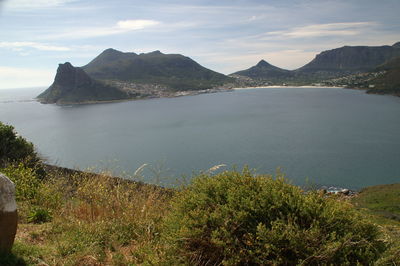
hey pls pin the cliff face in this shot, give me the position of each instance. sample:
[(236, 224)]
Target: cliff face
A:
[(73, 85), (351, 59), (71, 77)]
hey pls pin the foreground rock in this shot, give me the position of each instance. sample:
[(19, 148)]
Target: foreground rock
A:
[(8, 214)]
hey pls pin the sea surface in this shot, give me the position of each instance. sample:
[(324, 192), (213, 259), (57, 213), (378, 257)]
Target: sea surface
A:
[(316, 136)]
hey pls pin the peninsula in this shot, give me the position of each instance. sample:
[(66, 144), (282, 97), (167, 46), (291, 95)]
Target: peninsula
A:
[(115, 75)]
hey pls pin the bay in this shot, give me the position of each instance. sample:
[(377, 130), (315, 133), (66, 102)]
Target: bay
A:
[(325, 136)]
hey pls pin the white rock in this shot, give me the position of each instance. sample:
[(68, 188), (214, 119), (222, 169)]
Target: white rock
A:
[(7, 195)]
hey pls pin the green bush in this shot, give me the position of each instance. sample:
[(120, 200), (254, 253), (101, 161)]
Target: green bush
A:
[(39, 215), (240, 219), (25, 179), (14, 148)]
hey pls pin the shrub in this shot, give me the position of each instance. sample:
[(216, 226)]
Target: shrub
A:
[(240, 219), (14, 148), (39, 215), (25, 180)]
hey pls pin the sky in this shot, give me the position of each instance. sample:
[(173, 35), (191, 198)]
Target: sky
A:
[(223, 35)]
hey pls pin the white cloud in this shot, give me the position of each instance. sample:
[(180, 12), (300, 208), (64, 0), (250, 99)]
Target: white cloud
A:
[(29, 4), (120, 27), (135, 24), (319, 30), (19, 46), (16, 77)]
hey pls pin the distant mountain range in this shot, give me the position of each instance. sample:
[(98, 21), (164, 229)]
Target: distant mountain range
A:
[(328, 64), (115, 75)]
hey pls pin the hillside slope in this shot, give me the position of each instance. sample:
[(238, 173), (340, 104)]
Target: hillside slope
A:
[(389, 81)]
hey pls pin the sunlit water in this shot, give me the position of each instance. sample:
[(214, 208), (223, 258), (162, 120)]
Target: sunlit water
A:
[(329, 136)]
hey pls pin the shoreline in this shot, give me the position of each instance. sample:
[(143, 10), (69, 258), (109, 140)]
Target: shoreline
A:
[(172, 95), (280, 86)]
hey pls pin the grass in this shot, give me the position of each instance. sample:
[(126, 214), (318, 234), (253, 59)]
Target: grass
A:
[(78, 218), (381, 205), (95, 219), (382, 200)]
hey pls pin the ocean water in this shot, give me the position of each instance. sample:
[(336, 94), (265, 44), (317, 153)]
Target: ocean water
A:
[(323, 136)]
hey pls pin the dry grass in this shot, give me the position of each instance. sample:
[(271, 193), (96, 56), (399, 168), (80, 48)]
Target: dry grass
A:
[(96, 220)]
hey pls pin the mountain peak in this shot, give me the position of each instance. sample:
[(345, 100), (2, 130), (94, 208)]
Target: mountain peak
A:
[(263, 63), (66, 65), (111, 51), (74, 85), (156, 52), (67, 74), (264, 70), (396, 45)]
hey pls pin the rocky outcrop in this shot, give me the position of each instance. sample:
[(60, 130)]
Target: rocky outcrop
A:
[(73, 85), (8, 214)]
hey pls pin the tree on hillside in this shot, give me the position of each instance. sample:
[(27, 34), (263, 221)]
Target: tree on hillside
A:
[(14, 148)]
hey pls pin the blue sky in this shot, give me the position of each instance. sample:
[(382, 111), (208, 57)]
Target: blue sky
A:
[(225, 36)]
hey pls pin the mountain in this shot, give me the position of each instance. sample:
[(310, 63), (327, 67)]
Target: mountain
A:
[(73, 85), (350, 59), (264, 70), (173, 71), (115, 75), (396, 45)]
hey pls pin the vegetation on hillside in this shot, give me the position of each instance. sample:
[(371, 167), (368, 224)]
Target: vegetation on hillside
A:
[(381, 205), (389, 81), (241, 219), (14, 148), (69, 217)]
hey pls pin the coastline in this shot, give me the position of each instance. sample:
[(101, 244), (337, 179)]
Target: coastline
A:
[(280, 86), (170, 95), (214, 90)]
